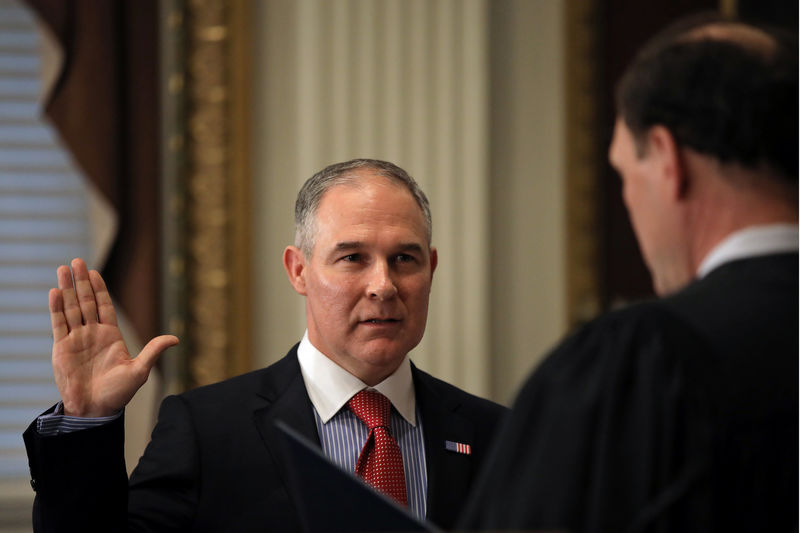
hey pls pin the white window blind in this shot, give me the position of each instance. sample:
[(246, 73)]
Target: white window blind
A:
[(43, 223)]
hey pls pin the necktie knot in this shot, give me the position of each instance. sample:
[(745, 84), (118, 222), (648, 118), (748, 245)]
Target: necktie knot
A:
[(372, 408)]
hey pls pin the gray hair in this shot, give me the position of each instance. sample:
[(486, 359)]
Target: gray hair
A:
[(310, 195)]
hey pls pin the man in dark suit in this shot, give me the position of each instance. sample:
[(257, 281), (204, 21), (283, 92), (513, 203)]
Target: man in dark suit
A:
[(679, 414), (364, 262)]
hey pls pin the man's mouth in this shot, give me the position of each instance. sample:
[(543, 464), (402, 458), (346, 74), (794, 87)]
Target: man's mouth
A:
[(381, 321)]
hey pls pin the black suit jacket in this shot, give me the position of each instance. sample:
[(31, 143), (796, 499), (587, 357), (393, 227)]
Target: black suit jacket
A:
[(679, 414), (215, 461)]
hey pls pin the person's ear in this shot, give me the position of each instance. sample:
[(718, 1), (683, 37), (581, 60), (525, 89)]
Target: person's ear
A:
[(434, 260), (294, 261), (668, 160)]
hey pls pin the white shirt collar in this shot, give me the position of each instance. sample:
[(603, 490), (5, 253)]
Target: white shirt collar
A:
[(751, 242), (330, 386)]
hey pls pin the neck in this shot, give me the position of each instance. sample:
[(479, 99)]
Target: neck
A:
[(728, 199)]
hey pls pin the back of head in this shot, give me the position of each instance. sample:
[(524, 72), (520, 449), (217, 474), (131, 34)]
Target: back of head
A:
[(723, 89)]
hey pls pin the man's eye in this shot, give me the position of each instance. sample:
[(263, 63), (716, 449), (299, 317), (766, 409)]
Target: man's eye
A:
[(405, 258), (351, 258)]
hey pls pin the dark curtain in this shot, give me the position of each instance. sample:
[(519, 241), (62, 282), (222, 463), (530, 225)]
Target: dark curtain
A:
[(105, 107)]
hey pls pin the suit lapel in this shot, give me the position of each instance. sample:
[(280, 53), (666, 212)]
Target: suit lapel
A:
[(284, 397), (449, 473)]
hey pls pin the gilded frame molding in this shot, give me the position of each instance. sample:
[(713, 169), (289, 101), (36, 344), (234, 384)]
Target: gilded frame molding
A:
[(206, 175), (583, 35)]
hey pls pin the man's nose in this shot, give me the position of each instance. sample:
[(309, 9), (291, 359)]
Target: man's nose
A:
[(380, 285)]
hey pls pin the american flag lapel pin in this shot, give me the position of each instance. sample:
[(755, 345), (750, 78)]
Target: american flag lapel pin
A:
[(458, 447)]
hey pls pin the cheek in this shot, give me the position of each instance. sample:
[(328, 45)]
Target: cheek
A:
[(628, 193), (634, 197), (331, 288), (333, 295), (417, 293), (637, 213)]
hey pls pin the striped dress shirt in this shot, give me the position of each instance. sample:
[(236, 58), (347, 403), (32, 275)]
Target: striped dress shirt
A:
[(344, 436), (57, 422)]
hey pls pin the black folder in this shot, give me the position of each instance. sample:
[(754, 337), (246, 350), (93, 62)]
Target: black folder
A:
[(332, 500)]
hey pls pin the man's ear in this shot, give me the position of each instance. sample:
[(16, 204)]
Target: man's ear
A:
[(294, 261), (668, 157), (434, 260)]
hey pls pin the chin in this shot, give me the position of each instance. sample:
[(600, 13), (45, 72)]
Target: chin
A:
[(381, 353)]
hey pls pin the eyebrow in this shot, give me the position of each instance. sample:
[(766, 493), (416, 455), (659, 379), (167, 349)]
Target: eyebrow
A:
[(353, 245)]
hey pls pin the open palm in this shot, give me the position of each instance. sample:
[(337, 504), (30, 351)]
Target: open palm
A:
[(94, 372)]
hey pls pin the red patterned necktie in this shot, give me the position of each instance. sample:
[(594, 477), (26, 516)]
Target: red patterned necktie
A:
[(380, 463)]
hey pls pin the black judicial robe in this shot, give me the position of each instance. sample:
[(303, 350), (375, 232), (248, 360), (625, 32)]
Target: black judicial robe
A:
[(679, 414)]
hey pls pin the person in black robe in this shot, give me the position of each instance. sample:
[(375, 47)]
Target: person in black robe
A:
[(681, 413)]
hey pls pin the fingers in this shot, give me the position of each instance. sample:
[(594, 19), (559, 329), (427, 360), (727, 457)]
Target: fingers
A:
[(84, 292), (57, 319), (81, 298), (71, 310), (105, 308), (77, 296), (153, 349)]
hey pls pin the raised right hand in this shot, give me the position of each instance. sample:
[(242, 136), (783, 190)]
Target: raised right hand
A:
[(94, 372)]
